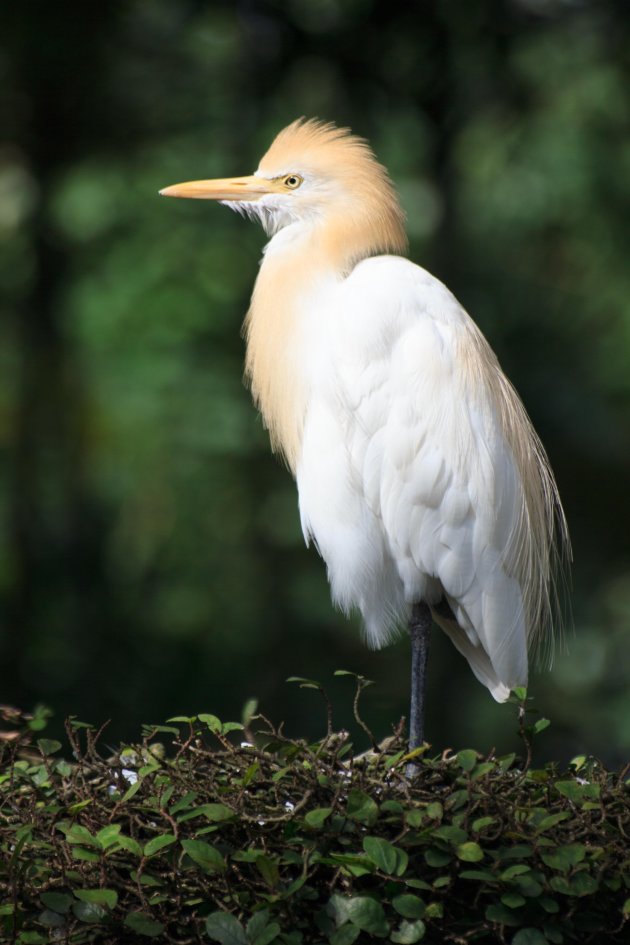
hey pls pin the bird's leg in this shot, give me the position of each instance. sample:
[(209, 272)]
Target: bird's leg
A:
[(419, 631)]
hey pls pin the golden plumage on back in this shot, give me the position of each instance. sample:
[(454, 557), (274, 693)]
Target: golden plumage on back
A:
[(420, 476)]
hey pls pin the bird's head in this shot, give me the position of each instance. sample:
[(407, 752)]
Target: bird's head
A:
[(314, 174)]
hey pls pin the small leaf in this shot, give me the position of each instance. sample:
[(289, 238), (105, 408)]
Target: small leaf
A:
[(388, 858), (346, 935), (143, 924), (101, 897), (564, 858), (467, 759), (89, 856), (454, 835), (361, 807), (215, 812), (513, 900), (128, 843), (570, 789), (436, 858), (529, 937), (58, 902), (213, 723), (268, 869), (158, 843), (257, 923), (48, 746), (408, 933), (469, 852), (268, 934), (225, 928), (184, 803), (89, 912), (108, 835), (368, 915), (75, 833), (204, 855), (434, 810), (316, 818), (497, 912), (409, 906)]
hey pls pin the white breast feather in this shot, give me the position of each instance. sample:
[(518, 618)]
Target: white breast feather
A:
[(406, 480)]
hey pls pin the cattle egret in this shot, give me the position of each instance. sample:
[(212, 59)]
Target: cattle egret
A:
[(421, 480)]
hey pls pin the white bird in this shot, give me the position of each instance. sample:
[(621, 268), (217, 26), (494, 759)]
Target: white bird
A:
[(420, 477)]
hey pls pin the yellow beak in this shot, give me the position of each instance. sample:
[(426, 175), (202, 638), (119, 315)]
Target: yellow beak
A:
[(228, 188)]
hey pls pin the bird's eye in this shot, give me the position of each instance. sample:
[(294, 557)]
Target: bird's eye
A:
[(292, 181)]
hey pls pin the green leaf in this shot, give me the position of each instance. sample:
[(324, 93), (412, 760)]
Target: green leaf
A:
[(436, 858), (204, 855), (128, 843), (48, 746), (454, 835), (143, 924), (529, 937), (184, 803), (626, 907), (132, 791), (469, 852), (89, 912), (408, 933), (481, 823), (89, 856), (346, 935), (257, 924), (213, 723), (108, 836), (225, 928), (58, 902), (52, 920), (388, 858), (268, 869), (434, 810), (158, 843), (564, 858), (32, 938), (368, 915), (75, 833), (361, 807), (513, 900), (551, 821), (497, 912), (316, 818), (268, 934), (101, 897), (570, 789), (409, 906), (215, 812), (467, 759)]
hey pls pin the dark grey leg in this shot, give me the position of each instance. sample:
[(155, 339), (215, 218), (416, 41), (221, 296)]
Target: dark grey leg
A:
[(419, 631)]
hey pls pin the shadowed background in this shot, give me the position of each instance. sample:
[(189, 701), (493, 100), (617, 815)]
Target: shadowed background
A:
[(151, 556)]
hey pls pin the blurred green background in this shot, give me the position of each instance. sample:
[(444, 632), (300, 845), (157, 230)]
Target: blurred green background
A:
[(151, 556)]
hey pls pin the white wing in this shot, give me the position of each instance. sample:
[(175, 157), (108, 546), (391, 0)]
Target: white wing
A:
[(412, 479)]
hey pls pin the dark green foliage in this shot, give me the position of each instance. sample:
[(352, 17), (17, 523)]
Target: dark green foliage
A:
[(287, 842)]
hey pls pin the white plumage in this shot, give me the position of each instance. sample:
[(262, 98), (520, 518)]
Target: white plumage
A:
[(420, 478)]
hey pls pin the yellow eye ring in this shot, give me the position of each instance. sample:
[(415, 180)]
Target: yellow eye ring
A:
[(292, 181)]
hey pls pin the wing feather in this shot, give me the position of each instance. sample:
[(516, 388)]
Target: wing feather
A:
[(456, 481)]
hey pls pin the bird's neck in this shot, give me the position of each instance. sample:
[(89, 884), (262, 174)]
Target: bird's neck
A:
[(299, 267)]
